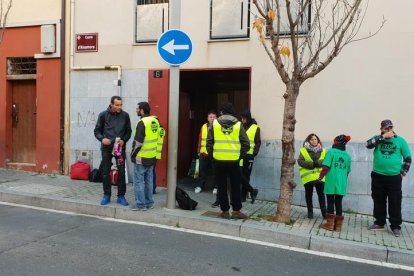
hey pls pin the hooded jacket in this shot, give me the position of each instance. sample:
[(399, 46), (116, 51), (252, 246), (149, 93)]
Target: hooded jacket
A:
[(113, 124), (227, 121)]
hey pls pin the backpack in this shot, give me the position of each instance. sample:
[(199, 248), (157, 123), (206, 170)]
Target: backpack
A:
[(80, 170), (95, 176), (184, 200)]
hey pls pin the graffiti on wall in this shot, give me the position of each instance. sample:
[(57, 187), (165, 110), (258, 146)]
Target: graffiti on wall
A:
[(85, 119)]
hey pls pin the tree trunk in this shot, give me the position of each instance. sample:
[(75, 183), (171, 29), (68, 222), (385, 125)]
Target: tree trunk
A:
[(288, 159)]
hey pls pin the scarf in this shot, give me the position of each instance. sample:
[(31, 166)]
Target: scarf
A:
[(314, 149)]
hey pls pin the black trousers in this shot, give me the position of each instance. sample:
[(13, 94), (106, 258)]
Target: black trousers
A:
[(335, 204), (222, 170), (309, 194), (387, 187), (246, 171), (205, 165), (106, 164)]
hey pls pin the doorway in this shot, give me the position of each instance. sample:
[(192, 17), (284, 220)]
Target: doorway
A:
[(24, 121), (200, 92)]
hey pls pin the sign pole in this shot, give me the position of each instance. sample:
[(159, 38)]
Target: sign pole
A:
[(173, 111)]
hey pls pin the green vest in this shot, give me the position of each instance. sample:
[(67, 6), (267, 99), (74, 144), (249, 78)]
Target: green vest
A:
[(160, 142), (152, 128), (310, 175), (226, 142), (204, 130), (251, 133)]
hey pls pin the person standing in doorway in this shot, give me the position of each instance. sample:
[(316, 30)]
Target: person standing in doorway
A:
[(227, 142), (336, 166), (113, 123), (392, 161), (253, 133), (205, 161), (144, 156), (310, 159)]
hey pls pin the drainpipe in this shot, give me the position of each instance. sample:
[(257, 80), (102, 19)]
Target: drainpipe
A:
[(70, 13)]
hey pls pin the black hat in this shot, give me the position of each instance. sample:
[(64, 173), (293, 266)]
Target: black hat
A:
[(227, 108), (386, 124)]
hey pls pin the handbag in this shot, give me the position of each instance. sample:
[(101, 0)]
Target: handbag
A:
[(80, 170)]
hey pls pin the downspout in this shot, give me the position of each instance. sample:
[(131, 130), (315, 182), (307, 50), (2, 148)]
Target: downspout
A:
[(62, 87)]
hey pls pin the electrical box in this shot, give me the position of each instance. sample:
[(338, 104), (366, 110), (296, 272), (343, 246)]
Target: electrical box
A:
[(48, 40)]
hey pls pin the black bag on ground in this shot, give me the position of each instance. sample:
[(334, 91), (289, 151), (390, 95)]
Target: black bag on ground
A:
[(184, 200), (95, 176)]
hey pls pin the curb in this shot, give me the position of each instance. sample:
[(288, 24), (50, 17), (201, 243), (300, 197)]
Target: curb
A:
[(236, 228)]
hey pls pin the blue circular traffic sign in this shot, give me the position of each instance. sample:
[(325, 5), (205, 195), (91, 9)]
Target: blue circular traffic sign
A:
[(175, 47)]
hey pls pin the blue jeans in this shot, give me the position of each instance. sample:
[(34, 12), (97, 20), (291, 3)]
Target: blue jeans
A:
[(143, 185)]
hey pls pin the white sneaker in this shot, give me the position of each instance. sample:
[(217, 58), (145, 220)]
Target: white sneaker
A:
[(197, 190), (214, 191)]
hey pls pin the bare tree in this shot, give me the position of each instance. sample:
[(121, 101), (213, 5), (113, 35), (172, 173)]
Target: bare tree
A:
[(302, 37), (5, 6)]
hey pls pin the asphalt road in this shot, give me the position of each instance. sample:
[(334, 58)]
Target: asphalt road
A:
[(34, 242)]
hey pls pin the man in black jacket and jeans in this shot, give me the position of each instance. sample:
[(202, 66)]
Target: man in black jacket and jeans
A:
[(113, 123)]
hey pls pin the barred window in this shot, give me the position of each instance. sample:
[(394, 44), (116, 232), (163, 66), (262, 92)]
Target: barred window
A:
[(149, 2)]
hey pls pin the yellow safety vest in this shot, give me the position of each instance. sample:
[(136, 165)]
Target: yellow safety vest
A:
[(313, 174), (204, 131), (251, 133), (226, 142), (152, 128), (160, 142)]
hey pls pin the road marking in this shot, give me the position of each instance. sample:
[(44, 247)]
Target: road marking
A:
[(197, 232)]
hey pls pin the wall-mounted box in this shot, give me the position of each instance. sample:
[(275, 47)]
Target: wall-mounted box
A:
[(48, 39)]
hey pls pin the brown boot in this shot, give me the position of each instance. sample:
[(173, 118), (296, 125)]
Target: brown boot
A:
[(330, 222), (339, 220), (225, 215), (238, 215)]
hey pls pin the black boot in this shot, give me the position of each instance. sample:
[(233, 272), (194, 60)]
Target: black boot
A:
[(253, 195), (310, 214)]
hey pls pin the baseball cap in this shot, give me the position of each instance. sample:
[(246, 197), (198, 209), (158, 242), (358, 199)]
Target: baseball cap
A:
[(386, 124)]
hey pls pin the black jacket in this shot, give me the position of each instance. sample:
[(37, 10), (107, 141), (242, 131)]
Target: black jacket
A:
[(113, 124), (227, 121)]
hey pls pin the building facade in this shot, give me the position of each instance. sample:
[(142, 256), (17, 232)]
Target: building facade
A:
[(31, 87), (368, 82)]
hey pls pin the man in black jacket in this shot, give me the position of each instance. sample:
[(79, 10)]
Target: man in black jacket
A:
[(227, 142), (113, 123)]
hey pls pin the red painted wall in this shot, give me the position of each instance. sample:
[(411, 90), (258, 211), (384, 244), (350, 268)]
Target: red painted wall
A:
[(158, 98), (25, 42)]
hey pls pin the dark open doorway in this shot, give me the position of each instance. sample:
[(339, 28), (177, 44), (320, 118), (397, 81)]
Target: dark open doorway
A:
[(201, 91)]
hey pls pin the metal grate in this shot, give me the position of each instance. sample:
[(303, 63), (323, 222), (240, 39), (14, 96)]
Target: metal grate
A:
[(21, 66), (149, 2)]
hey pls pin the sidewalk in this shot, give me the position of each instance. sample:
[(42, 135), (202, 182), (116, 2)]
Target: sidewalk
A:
[(61, 193)]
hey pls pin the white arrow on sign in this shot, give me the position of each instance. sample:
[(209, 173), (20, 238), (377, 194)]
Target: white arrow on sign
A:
[(170, 47)]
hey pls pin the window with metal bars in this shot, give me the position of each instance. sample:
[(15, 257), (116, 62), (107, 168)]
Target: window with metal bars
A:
[(21, 66), (149, 2)]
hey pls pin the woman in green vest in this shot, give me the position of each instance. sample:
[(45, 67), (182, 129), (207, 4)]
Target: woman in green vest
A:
[(310, 159)]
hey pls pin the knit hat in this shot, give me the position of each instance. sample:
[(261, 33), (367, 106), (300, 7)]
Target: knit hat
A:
[(386, 124), (342, 139), (227, 108)]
